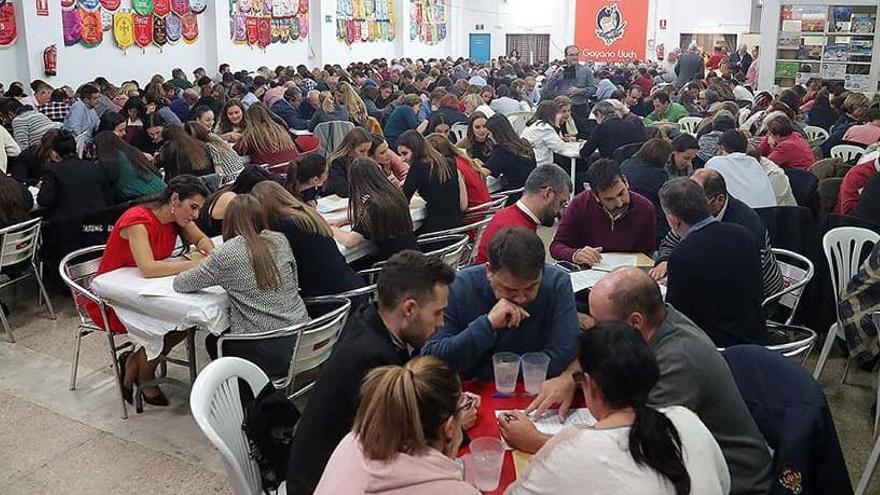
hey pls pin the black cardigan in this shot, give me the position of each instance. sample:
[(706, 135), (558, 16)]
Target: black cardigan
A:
[(74, 187), (612, 134), (511, 168), (444, 210)]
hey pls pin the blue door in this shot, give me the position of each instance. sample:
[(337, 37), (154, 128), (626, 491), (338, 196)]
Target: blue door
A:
[(480, 47)]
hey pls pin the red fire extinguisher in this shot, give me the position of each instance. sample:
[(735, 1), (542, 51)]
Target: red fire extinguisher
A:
[(50, 60), (661, 52)]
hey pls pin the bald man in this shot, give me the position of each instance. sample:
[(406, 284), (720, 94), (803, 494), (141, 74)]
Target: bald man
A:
[(692, 374)]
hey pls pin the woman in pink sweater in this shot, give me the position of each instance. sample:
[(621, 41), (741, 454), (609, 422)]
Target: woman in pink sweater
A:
[(405, 436)]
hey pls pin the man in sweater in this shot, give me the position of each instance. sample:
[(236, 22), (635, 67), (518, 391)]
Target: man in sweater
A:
[(611, 133), (665, 110), (412, 294), (608, 218), (515, 303), (28, 125), (692, 374), (745, 177), (715, 271), (545, 193), (726, 208)]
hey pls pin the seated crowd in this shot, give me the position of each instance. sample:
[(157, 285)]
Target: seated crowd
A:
[(234, 166)]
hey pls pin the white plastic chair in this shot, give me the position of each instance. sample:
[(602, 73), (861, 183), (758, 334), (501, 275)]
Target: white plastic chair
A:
[(216, 406), (459, 131), (689, 125), (744, 114), (815, 134), (843, 247), (847, 152), (18, 247), (330, 134), (518, 120)]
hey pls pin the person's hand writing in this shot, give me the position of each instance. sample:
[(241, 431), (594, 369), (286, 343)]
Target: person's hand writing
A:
[(659, 271), (587, 256), (338, 222), (557, 391), (505, 314), (520, 433)]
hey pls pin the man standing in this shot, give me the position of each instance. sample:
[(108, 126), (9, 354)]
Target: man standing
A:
[(608, 217), (412, 294), (690, 66), (515, 303), (574, 80), (545, 193), (715, 271), (82, 117)]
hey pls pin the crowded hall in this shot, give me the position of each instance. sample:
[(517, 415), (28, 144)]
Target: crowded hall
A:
[(440, 247)]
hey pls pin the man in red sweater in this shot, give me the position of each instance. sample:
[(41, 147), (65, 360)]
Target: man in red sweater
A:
[(784, 147), (545, 193), (854, 181)]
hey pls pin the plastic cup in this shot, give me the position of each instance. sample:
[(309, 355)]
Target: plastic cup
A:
[(506, 368), (534, 368), (487, 456)]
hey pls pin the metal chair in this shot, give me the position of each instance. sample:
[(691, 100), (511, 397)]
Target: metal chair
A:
[(870, 466), (815, 135), (843, 248), (285, 353), (330, 134), (215, 403), (18, 249), (847, 152), (474, 231), (507, 194), (689, 125), (77, 270), (449, 248), (459, 131), (798, 340), (797, 271)]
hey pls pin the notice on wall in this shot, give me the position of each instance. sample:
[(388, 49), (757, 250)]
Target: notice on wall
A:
[(42, 8), (835, 72), (857, 82)]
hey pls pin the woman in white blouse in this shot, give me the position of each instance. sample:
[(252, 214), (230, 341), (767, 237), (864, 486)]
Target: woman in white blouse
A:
[(543, 132), (633, 447)]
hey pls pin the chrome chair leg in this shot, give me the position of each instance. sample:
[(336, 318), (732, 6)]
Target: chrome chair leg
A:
[(6, 327), (116, 374), (39, 276), (75, 364)]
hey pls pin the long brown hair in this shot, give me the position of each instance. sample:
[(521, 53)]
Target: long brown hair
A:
[(375, 202), (423, 152), (109, 146), (352, 140), (443, 146), (244, 217), (262, 134), (402, 408), (12, 207), (204, 135), (225, 124), (185, 149), (278, 204)]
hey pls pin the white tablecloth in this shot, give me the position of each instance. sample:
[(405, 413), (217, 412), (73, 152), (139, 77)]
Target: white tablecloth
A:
[(336, 208), (150, 308)]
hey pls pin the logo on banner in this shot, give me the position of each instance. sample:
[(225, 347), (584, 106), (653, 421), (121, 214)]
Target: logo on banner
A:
[(610, 25)]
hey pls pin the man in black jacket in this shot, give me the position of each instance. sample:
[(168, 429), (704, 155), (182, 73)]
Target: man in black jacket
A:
[(715, 272), (412, 294), (612, 132)]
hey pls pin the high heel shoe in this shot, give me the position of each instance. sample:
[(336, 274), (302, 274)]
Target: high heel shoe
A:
[(127, 392)]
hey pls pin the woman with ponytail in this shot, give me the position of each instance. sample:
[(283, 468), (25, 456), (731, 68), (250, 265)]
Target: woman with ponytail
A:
[(633, 447), (406, 434), (257, 270)]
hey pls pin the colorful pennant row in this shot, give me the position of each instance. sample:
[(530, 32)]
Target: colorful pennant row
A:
[(427, 21), (8, 31), (364, 20), (262, 22), (149, 22)]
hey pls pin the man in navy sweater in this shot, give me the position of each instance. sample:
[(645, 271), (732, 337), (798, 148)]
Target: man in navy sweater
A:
[(514, 303), (715, 272)]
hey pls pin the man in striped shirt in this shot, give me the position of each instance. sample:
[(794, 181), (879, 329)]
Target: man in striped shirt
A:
[(28, 125)]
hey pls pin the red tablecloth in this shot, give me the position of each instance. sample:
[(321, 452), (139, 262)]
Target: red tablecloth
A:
[(487, 427)]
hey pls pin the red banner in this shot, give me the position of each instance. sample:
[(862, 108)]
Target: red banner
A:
[(611, 30)]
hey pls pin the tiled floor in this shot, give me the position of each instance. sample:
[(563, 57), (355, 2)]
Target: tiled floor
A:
[(53, 440)]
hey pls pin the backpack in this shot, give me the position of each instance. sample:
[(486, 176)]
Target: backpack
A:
[(269, 422)]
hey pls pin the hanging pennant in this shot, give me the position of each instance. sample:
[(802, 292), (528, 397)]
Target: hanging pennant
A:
[(257, 7), (244, 6), (161, 8), (68, 4), (303, 26), (280, 8), (267, 8), (341, 28), (265, 32), (190, 30), (160, 34), (293, 27), (253, 30), (143, 30), (365, 30), (71, 25), (198, 6), (303, 6), (89, 5), (239, 31), (106, 20), (123, 29), (173, 28), (8, 29), (275, 30), (180, 7), (111, 5), (92, 30), (142, 8)]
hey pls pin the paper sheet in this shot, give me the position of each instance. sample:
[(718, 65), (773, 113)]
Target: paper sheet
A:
[(610, 261), (549, 424), (329, 204), (585, 279)]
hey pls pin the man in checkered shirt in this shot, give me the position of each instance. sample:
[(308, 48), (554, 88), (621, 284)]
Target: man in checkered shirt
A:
[(57, 107)]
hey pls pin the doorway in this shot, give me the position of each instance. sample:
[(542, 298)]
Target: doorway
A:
[(532, 48)]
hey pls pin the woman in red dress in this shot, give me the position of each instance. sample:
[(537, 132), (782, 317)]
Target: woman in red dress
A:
[(145, 236)]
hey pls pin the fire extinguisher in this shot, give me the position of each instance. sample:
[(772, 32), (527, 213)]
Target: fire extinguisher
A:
[(50, 60), (661, 52)]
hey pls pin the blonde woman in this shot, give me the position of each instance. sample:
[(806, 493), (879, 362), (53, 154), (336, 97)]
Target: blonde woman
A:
[(257, 270), (354, 104), (264, 140), (329, 111), (474, 103)]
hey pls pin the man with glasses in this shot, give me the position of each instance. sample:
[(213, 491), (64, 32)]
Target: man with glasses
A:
[(545, 194), (514, 303), (82, 117), (574, 80)]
